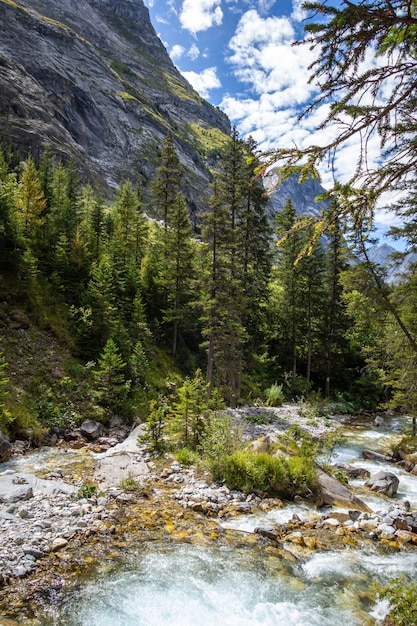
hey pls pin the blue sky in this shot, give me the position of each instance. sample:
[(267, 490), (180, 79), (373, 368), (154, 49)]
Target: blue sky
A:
[(238, 55)]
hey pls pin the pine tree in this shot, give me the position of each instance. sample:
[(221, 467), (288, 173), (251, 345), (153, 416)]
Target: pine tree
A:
[(222, 300), (375, 101), (288, 275), (5, 416), (111, 385), (126, 210), (100, 297), (63, 216), (8, 190), (335, 320), (191, 409), (178, 252), (91, 213), (254, 250), (167, 181), (30, 202)]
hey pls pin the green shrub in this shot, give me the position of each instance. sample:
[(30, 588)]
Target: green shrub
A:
[(263, 473), (129, 483), (185, 456), (274, 395), (87, 490), (340, 475), (222, 436), (402, 596)]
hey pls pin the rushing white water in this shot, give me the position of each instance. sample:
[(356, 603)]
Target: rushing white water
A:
[(189, 586), (248, 523), (378, 440), (220, 585)]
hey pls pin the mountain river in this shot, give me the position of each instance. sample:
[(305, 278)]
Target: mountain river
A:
[(227, 577)]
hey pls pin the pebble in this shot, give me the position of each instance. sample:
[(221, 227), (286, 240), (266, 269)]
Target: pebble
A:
[(32, 527)]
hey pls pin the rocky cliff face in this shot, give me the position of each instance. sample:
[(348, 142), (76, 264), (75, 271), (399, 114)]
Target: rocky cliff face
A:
[(91, 79)]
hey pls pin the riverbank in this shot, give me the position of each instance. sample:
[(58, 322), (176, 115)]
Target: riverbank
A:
[(50, 533)]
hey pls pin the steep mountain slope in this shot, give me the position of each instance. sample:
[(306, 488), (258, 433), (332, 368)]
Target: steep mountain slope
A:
[(303, 197), (91, 79)]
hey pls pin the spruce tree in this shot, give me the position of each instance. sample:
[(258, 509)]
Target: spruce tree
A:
[(126, 210), (5, 416), (167, 180), (8, 190), (110, 382), (335, 319), (30, 203), (178, 274), (222, 299), (289, 277)]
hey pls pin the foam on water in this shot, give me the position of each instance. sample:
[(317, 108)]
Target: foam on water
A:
[(191, 586), (353, 563), (248, 523)]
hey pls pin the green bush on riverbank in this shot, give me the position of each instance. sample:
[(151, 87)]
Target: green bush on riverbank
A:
[(263, 473)]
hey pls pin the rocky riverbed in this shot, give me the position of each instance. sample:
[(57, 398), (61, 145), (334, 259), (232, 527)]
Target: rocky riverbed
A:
[(46, 523)]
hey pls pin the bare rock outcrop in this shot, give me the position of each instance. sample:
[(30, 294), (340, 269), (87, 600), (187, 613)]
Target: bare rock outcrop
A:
[(334, 493)]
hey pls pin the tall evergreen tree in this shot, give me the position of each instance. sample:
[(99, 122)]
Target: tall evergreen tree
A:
[(30, 202), (178, 252), (126, 210), (224, 298), (289, 277), (167, 181), (8, 190), (254, 249), (335, 319), (91, 213), (63, 216)]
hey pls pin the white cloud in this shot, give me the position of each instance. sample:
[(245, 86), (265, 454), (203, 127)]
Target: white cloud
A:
[(204, 81), (263, 58), (197, 15), (264, 6), (193, 52), (177, 51), (276, 77), (298, 14)]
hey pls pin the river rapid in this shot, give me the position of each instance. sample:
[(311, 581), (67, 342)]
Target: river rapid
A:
[(167, 567)]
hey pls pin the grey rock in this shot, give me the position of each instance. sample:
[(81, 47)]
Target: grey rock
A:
[(25, 492), (383, 482), (269, 533), (334, 493), (91, 79), (374, 456), (31, 550), (379, 421), (92, 430), (20, 571), (5, 449)]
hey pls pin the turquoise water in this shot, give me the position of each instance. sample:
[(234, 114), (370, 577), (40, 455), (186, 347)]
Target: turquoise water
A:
[(189, 586), (168, 584)]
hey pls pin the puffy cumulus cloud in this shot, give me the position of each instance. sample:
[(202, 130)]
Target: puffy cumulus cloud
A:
[(193, 52), (204, 81), (176, 52), (262, 57), (197, 15), (298, 14), (276, 75), (264, 6)]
